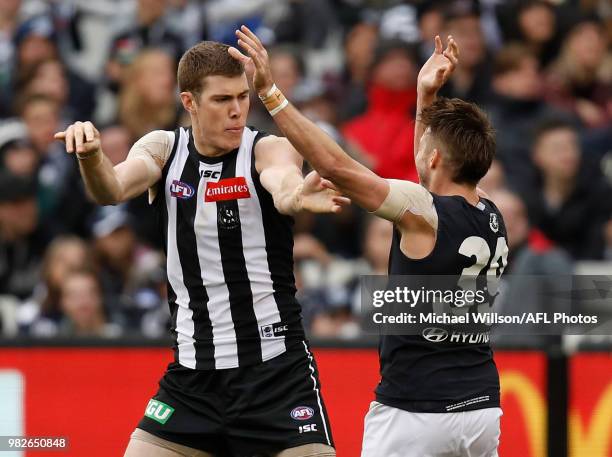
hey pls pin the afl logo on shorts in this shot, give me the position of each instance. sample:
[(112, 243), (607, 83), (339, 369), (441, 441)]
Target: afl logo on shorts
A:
[(434, 334), (182, 190), (302, 413)]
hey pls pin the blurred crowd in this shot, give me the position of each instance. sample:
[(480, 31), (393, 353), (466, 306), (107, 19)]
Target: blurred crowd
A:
[(541, 69)]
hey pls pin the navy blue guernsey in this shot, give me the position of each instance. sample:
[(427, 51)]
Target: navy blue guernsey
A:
[(440, 375)]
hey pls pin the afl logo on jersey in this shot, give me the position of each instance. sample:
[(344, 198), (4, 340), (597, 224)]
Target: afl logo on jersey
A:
[(435, 334), (180, 189), (302, 413), (493, 222)]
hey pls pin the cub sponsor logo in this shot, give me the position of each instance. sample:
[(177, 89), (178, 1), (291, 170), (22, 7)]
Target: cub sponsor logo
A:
[(180, 189), (159, 411), (274, 330), (302, 413), (227, 189)]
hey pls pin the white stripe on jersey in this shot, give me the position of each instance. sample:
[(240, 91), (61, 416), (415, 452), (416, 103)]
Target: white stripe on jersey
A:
[(209, 255), (184, 317), (255, 255)]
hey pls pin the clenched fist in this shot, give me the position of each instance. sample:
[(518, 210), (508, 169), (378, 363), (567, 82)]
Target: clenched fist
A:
[(82, 138)]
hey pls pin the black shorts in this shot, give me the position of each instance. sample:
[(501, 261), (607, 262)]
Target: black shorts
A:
[(242, 412)]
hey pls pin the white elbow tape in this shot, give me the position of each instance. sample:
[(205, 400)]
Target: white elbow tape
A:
[(407, 196)]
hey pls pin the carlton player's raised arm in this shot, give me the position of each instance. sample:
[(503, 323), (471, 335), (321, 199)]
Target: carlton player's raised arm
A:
[(407, 204)]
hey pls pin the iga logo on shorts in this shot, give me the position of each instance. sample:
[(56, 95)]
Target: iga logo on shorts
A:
[(302, 413), (180, 189)]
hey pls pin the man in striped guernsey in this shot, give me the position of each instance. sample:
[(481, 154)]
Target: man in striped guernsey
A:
[(243, 382)]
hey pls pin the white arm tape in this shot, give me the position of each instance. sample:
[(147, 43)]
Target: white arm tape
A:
[(153, 149), (407, 196)]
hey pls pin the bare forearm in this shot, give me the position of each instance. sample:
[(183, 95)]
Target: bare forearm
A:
[(287, 196), (100, 180), (323, 153), (423, 101)]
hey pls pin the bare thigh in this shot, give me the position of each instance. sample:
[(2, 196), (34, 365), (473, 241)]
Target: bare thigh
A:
[(144, 444), (309, 450)]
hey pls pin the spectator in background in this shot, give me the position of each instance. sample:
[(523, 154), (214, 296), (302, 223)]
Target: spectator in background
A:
[(537, 270), (288, 69), (147, 29), (9, 21), (22, 239), (385, 132), (19, 158), (61, 208), (581, 78), (82, 304), (568, 202), (515, 106), (495, 178), (430, 17), (41, 314), (49, 77), (359, 45), (36, 43), (533, 23), (147, 100), (472, 78), (130, 273)]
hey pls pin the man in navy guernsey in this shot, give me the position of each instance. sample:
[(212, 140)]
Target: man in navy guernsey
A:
[(435, 398), (244, 382)]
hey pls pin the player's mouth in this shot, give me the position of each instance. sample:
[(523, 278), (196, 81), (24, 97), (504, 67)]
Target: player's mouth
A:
[(235, 130)]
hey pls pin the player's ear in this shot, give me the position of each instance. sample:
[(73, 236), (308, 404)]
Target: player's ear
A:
[(435, 159), (188, 99)]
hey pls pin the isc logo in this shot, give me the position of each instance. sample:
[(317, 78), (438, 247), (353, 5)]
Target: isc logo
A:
[(180, 189), (308, 428), (302, 413), (210, 174)]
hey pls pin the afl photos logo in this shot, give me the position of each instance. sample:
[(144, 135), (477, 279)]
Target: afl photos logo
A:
[(434, 334)]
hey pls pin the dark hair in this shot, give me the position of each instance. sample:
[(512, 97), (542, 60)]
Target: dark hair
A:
[(207, 58), (510, 58), (550, 124), (468, 135)]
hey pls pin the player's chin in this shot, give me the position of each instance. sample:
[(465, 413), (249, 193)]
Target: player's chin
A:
[(233, 137)]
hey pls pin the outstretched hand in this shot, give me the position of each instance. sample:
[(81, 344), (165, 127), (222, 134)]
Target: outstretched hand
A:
[(439, 67), (319, 195), (80, 137), (256, 63)]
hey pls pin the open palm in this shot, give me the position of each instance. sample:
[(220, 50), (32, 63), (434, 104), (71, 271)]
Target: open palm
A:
[(320, 196), (439, 67)]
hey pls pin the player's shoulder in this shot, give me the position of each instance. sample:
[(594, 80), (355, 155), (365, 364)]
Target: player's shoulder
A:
[(164, 137)]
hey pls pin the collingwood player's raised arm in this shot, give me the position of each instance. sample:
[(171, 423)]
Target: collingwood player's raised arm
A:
[(108, 185)]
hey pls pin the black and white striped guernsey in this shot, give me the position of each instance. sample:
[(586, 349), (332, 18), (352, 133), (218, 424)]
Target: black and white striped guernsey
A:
[(229, 253)]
